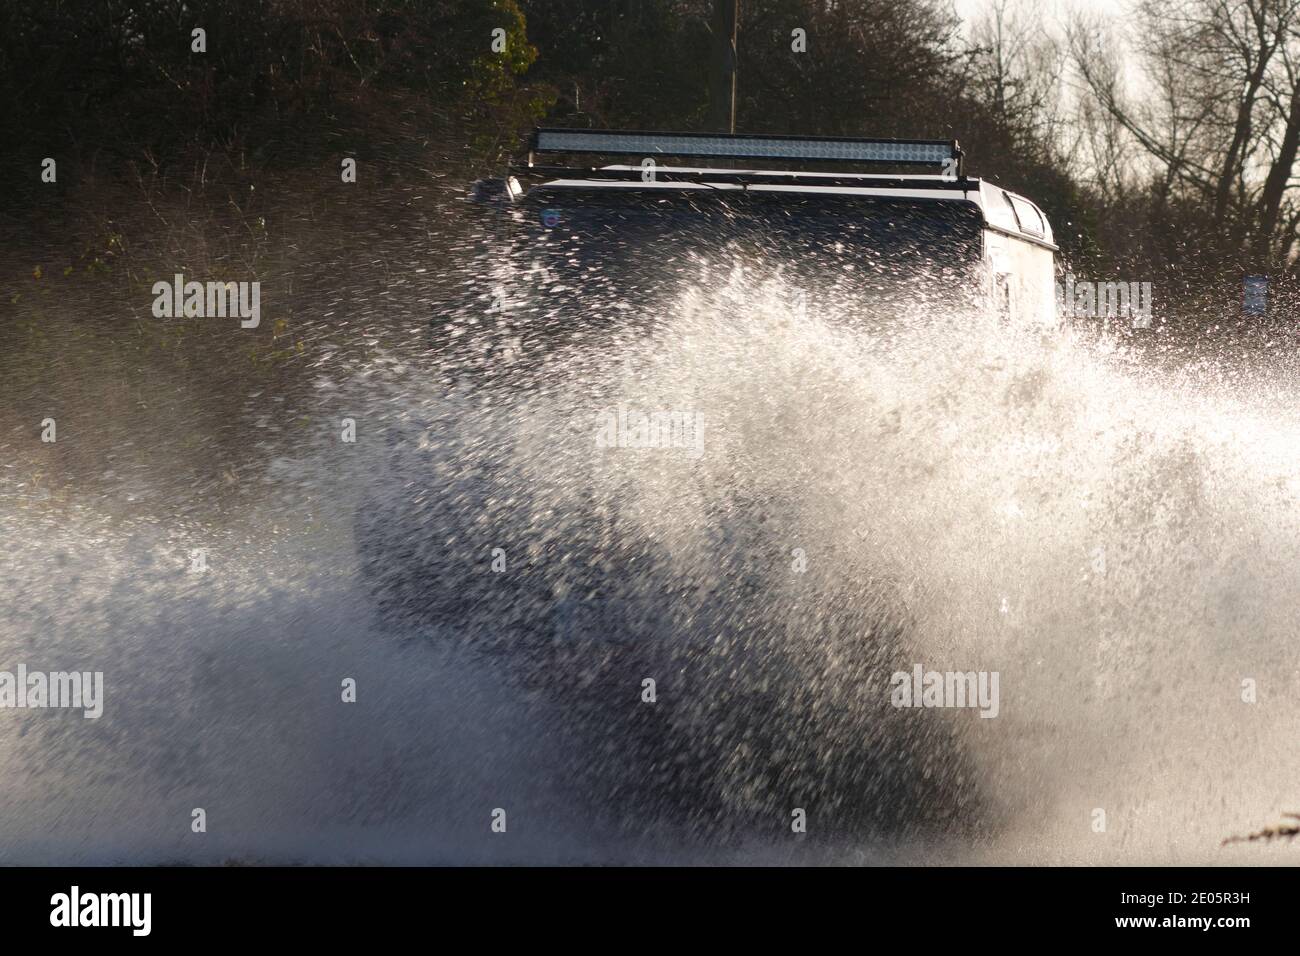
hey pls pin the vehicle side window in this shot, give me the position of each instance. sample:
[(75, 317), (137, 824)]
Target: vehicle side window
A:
[(1006, 201), (1027, 215)]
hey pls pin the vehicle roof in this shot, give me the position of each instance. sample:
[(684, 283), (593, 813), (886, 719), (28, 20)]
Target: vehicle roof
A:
[(1002, 210)]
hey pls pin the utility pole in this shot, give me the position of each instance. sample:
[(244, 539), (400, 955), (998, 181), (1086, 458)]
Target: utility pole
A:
[(722, 69)]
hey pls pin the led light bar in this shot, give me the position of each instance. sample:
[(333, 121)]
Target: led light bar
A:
[(916, 152)]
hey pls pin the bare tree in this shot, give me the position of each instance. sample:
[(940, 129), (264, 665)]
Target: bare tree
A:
[(1017, 69), (1219, 109)]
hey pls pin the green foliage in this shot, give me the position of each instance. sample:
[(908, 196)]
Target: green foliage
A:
[(625, 62), (871, 65), (123, 74)]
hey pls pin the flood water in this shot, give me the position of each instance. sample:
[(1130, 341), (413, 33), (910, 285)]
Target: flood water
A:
[(1116, 536)]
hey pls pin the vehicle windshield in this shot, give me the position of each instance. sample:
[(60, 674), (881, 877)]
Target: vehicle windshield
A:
[(597, 256)]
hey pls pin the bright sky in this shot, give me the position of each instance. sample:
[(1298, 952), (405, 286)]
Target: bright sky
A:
[(1054, 11)]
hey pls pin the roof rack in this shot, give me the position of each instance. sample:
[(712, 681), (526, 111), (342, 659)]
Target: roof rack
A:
[(743, 178), (946, 154)]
